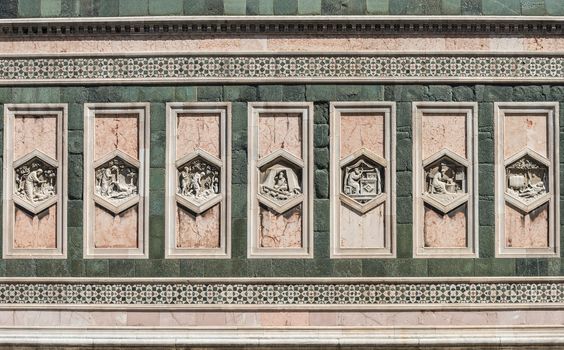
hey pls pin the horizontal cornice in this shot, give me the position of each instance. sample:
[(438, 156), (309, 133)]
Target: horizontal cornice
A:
[(281, 25)]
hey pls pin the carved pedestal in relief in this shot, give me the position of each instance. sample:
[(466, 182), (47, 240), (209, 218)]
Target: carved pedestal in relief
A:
[(116, 170), (362, 179), (198, 180), (444, 179), (280, 193), (35, 172), (526, 173)]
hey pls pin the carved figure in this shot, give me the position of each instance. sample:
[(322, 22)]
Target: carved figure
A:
[(441, 180), (362, 181), (445, 179), (526, 179), (111, 180), (35, 182), (198, 180), (280, 183)]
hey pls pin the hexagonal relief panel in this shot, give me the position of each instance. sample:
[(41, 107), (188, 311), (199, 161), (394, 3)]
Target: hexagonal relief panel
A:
[(199, 182), (117, 176), (35, 182), (363, 180), (445, 183), (527, 181), (280, 184)]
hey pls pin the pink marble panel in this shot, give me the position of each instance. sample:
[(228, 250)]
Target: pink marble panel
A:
[(272, 319), (177, 318), (198, 131), (358, 131), (443, 131), (115, 131), (35, 132), (290, 44), (445, 230), (115, 231), (323, 319), (526, 230), (362, 231), (552, 44), (522, 131), (92, 318), (467, 44), (35, 231), (280, 131), (29, 318), (206, 318), (198, 231), (369, 43), (294, 318), (280, 231), (6, 318), (145, 319)]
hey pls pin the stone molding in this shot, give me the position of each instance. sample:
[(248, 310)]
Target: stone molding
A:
[(422, 196), (331, 337), (504, 110), (283, 67), (39, 28), (388, 195), (10, 199), (223, 110), (92, 199), (299, 165)]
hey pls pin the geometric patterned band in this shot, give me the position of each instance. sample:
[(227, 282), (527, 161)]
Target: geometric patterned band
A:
[(272, 67), (265, 294)]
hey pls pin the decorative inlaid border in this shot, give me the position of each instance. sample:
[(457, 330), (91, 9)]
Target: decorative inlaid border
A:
[(293, 293), (396, 67)]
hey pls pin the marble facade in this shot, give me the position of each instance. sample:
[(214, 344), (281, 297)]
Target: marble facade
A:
[(269, 179)]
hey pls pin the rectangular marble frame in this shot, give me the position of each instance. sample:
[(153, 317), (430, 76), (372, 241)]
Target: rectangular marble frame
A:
[(367, 108), (61, 113), (89, 249), (173, 109), (551, 109), (470, 109), (306, 111)]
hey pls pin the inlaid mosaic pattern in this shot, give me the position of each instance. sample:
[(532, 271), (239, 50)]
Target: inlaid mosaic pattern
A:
[(188, 293), (281, 67)]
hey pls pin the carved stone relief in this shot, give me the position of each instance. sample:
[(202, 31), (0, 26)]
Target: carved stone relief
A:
[(116, 180), (115, 183), (362, 180), (198, 180), (445, 169), (280, 183), (526, 179), (445, 180), (35, 181), (280, 144), (280, 186), (362, 185), (35, 190)]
